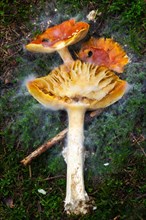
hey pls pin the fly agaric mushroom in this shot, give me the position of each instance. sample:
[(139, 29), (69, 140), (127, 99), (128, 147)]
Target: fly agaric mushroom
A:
[(57, 38), (104, 51), (80, 87)]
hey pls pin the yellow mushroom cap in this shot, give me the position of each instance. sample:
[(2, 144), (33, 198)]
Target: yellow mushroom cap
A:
[(104, 51), (82, 84), (57, 37)]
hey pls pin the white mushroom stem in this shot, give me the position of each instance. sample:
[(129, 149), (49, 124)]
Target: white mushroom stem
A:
[(65, 55), (76, 197)]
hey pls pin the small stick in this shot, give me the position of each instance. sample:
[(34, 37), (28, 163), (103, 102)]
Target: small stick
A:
[(44, 147), (96, 112), (52, 141), (55, 177), (137, 141)]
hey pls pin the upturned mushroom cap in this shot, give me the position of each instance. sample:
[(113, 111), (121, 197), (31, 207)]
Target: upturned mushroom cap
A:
[(104, 51), (59, 36), (83, 85)]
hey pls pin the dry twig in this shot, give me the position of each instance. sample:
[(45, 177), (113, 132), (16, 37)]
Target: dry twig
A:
[(54, 177), (52, 141), (137, 141), (44, 147)]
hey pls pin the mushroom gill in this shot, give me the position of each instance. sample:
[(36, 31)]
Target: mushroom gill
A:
[(83, 83)]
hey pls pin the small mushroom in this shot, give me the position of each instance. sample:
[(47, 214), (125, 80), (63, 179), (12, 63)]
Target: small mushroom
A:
[(80, 87), (58, 38), (104, 51)]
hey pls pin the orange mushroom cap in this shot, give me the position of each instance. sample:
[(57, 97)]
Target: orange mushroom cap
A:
[(59, 36), (104, 51), (81, 85)]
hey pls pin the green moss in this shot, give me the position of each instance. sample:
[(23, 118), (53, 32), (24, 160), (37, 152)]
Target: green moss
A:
[(15, 11)]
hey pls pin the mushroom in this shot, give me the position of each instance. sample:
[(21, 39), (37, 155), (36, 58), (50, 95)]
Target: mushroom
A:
[(104, 51), (76, 89), (58, 37)]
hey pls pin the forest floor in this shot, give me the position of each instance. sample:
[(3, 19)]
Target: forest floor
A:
[(115, 140)]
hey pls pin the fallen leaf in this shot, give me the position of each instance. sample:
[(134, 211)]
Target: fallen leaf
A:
[(9, 202)]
